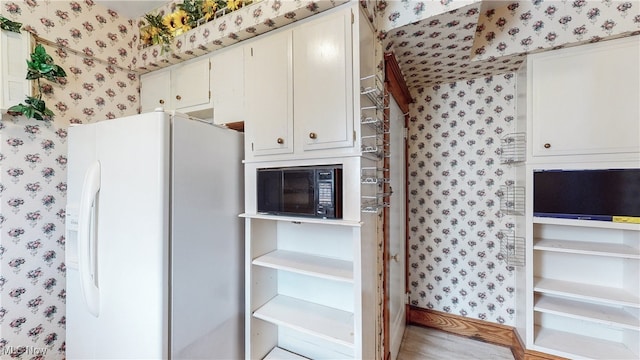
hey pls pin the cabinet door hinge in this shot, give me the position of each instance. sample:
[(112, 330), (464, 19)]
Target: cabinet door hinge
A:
[(405, 133), (209, 64), (354, 135), (251, 146), (407, 300), (209, 94), (251, 51), (353, 18)]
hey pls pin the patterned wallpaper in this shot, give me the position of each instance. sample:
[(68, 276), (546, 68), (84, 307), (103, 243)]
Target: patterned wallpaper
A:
[(397, 13), (91, 44), (454, 218), (439, 49), (526, 26)]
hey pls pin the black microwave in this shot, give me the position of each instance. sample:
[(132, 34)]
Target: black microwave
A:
[(301, 191)]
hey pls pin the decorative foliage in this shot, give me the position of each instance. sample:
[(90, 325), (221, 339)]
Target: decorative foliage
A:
[(40, 66), (161, 29), (6, 24)]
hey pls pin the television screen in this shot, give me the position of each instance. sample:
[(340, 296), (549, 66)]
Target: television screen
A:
[(587, 194)]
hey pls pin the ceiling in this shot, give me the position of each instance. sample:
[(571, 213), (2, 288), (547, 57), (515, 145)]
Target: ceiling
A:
[(439, 49), (131, 9)]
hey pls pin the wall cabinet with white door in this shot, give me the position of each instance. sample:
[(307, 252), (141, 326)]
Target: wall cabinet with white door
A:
[(312, 59), (14, 51), (584, 102), (183, 87), (269, 95)]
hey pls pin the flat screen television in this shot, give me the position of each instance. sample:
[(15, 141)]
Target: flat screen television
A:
[(587, 194)]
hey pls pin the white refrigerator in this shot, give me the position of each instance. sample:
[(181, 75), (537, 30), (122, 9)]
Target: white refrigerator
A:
[(154, 244)]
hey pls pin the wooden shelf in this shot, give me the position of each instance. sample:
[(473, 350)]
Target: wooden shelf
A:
[(303, 220), (603, 294), (586, 223), (587, 248), (609, 316), (322, 267), (580, 346), (282, 354), (324, 322)]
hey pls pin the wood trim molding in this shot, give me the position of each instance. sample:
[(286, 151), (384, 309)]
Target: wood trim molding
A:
[(485, 331), (396, 83)]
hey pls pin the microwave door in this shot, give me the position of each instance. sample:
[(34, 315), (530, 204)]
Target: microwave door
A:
[(270, 191), (298, 192)]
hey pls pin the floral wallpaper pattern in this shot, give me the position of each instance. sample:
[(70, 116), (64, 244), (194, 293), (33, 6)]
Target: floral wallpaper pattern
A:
[(92, 44), (455, 175), (525, 26), (439, 49), (397, 13)]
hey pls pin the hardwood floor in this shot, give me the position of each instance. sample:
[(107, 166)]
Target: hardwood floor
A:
[(421, 343)]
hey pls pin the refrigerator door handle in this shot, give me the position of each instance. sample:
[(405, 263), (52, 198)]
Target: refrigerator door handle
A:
[(87, 250)]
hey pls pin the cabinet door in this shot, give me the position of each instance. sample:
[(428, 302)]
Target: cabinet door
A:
[(227, 85), (14, 51), (155, 90), (323, 82), (585, 99), (190, 84), (268, 90)]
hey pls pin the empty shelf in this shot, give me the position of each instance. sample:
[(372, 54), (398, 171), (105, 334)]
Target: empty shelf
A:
[(322, 321), (322, 267)]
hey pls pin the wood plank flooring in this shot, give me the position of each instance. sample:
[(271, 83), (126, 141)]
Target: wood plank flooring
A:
[(421, 343)]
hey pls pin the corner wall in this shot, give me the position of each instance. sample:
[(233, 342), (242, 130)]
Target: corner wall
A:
[(455, 265)]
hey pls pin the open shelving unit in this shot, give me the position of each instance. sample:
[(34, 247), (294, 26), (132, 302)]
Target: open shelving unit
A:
[(301, 283), (585, 293)]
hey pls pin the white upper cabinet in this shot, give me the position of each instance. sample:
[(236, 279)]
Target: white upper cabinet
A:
[(14, 52), (190, 84), (183, 87), (155, 90), (584, 101), (227, 85), (299, 90), (323, 82), (269, 95)]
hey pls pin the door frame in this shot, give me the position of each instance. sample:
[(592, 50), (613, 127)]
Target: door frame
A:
[(395, 85)]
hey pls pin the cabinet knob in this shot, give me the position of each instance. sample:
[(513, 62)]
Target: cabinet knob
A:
[(178, 97), (280, 141), (395, 258), (313, 135), (161, 101), (547, 145)]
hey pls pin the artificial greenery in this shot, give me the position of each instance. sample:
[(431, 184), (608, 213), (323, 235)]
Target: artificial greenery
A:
[(40, 66), (6, 24), (194, 9), (162, 28), (157, 32)]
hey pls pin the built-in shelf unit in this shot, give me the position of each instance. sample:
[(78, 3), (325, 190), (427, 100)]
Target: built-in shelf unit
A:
[(585, 290)]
